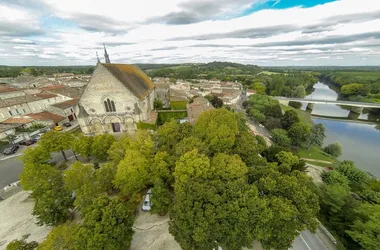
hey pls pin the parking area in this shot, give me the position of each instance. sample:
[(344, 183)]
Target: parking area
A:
[(152, 233)]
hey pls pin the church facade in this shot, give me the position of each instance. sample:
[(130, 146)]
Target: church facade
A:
[(116, 98)]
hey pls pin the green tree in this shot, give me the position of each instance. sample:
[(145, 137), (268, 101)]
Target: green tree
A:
[(296, 105), (257, 115), (52, 200), (218, 129), (100, 146), (107, 225), (298, 133), (292, 205), (215, 101), (290, 117), (35, 155), (351, 89), (316, 136), (158, 104), (210, 197), (280, 137), (160, 197), (354, 175), (334, 178), (117, 150), (190, 143), (61, 237), (334, 149), (22, 244), (54, 141), (104, 177), (300, 92), (273, 111), (247, 147), (171, 133), (132, 173), (366, 229), (82, 145), (286, 161), (260, 88)]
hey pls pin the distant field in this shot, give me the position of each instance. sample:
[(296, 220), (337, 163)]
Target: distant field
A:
[(269, 73)]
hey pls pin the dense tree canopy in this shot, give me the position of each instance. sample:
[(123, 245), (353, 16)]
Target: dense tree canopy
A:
[(217, 128), (54, 141)]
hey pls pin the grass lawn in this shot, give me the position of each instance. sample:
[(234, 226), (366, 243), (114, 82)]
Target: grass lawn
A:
[(314, 153), (304, 116)]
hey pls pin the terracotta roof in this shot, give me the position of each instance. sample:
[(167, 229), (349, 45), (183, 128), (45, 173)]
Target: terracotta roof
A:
[(194, 109), (17, 120), (66, 104), (45, 116), (132, 78), (45, 95), (5, 89)]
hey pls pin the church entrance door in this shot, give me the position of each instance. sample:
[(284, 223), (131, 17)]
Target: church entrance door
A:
[(116, 127)]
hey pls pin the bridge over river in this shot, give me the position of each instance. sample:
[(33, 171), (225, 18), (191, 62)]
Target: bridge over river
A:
[(356, 107)]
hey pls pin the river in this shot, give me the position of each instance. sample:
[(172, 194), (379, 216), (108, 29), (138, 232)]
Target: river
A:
[(360, 141)]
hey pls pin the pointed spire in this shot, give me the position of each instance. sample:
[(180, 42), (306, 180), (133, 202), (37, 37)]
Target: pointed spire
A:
[(97, 57), (106, 56)]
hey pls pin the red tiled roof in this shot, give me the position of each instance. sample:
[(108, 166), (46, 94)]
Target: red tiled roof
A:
[(46, 116), (45, 95), (5, 89), (66, 104), (17, 120)]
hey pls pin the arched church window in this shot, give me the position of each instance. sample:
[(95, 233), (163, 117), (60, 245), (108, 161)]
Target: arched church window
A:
[(109, 105)]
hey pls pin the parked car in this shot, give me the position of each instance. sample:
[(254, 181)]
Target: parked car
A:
[(57, 128), (147, 204), (27, 142), (37, 137), (67, 124), (261, 125), (11, 150)]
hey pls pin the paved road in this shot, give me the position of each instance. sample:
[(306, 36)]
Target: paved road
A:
[(11, 168), (308, 241)]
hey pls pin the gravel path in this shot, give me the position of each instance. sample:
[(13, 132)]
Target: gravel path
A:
[(16, 220)]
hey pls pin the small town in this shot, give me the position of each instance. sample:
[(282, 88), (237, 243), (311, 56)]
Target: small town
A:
[(213, 125)]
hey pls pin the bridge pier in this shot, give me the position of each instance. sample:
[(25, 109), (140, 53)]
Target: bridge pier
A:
[(310, 106), (357, 110), (353, 115)]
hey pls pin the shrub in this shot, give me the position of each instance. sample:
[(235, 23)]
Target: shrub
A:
[(296, 105)]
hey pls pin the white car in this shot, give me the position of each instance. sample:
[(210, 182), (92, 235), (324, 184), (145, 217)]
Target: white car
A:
[(147, 203), (261, 125)]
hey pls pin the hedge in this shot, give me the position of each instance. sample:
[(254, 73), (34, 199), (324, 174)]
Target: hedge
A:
[(178, 105), (166, 116), (144, 125)]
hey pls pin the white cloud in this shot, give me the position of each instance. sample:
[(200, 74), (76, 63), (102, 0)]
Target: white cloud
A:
[(138, 32)]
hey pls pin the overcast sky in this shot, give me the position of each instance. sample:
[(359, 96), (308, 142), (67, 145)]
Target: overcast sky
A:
[(261, 32)]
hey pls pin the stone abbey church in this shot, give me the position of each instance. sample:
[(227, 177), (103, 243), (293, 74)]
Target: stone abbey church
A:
[(116, 98)]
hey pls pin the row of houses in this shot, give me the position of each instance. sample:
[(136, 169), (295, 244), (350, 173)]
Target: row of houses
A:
[(47, 106)]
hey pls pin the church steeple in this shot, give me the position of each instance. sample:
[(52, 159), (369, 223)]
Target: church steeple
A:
[(97, 57), (106, 56)]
